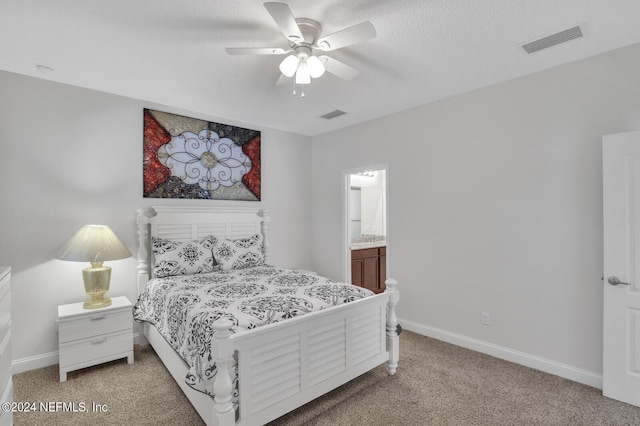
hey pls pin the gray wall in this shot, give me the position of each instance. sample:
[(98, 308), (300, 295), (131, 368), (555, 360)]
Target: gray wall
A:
[(495, 206), (72, 156)]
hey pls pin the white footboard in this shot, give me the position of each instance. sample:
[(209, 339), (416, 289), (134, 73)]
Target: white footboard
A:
[(285, 365)]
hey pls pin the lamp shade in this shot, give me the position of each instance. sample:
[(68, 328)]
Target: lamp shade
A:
[(93, 243)]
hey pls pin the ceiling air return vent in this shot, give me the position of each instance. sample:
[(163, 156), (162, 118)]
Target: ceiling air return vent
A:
[(552, 40), (333, 114)]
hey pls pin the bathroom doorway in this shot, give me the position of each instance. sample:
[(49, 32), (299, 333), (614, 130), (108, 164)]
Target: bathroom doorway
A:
[(366, 226)]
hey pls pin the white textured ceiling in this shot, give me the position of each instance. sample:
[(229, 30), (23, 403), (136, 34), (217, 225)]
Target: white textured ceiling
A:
[(171, 52)]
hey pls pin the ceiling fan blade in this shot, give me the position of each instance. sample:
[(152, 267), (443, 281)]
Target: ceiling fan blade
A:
[(352, 35), (338, 68), (282, 80), (281, 13), (256, 51)]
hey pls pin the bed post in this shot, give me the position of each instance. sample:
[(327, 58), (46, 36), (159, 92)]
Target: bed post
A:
[(143, 251), (393, 342), (222, 351), (266, 219)]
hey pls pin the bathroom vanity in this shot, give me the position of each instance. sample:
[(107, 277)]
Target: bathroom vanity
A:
[(369, 265)]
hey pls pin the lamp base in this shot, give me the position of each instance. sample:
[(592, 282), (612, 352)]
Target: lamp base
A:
[(97, 301), (96, 284)]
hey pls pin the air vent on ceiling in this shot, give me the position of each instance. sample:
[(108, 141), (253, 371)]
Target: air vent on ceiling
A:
[(552, 40), (333, 114)]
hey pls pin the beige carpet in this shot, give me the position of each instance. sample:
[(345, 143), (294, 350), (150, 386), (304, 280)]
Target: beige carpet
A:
[(139, 394), (436, 384)]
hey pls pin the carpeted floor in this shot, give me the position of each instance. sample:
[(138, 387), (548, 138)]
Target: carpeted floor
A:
[(142, 393), (436, 384)]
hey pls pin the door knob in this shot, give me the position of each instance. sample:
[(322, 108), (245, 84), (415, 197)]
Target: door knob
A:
[(616, 281)]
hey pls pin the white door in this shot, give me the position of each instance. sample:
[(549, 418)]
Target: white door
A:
[(621, 327)]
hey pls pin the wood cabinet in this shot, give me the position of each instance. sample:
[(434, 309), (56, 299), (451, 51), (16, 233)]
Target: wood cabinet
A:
[(92, 336), (369, 268), (6, 384)]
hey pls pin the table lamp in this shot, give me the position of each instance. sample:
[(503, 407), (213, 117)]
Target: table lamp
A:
[(94, 244)]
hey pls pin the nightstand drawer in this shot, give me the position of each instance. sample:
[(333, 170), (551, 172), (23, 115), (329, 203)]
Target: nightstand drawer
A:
[(94, 325), (95, 348)]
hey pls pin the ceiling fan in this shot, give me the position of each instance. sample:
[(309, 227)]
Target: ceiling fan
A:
[(305, 42)]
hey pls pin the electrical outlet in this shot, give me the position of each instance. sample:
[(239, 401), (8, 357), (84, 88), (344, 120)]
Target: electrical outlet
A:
[(486, 318)]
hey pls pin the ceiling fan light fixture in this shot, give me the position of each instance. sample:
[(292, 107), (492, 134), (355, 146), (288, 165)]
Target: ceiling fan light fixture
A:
[(316, 67), (289, 65), (302, 74)]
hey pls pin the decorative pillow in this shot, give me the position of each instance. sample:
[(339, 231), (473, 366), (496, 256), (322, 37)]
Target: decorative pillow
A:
[(239, 253), (183, 258)]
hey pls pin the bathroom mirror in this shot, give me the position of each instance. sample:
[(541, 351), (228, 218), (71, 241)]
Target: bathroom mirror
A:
[(367, 198)]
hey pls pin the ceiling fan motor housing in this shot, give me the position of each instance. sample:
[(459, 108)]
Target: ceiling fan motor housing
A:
[(302, 52), (310, 29)]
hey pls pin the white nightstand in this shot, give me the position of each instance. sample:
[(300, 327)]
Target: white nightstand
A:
[(88, 337)]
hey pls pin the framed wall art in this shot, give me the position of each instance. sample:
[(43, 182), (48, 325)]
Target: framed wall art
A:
[(191, 158)]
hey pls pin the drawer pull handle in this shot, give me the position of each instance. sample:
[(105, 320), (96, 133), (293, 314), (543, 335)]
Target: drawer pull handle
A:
[(97, 342), (99, 318)]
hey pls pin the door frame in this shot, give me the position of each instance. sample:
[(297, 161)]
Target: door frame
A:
[(346, 216)]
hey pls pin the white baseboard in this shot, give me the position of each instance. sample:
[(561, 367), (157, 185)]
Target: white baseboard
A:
[(579, 375), (140, 339), (39, 361), (34, 362)]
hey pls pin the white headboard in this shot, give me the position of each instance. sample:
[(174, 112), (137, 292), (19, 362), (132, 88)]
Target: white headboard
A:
[(190, 223)]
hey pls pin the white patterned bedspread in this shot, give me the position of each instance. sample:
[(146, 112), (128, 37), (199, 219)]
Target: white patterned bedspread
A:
[(183, 308)]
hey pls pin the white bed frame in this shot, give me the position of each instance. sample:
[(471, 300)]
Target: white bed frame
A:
[(281, 366)]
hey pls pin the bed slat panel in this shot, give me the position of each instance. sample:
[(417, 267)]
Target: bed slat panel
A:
[(279, 395), (327, 351), (243, 230), (172, 232), (206, 229), (275, 366), (367, 339), (197, 231)]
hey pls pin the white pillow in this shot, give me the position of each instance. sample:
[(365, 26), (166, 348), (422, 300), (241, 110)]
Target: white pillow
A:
[(239, 253), (183, 258)]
